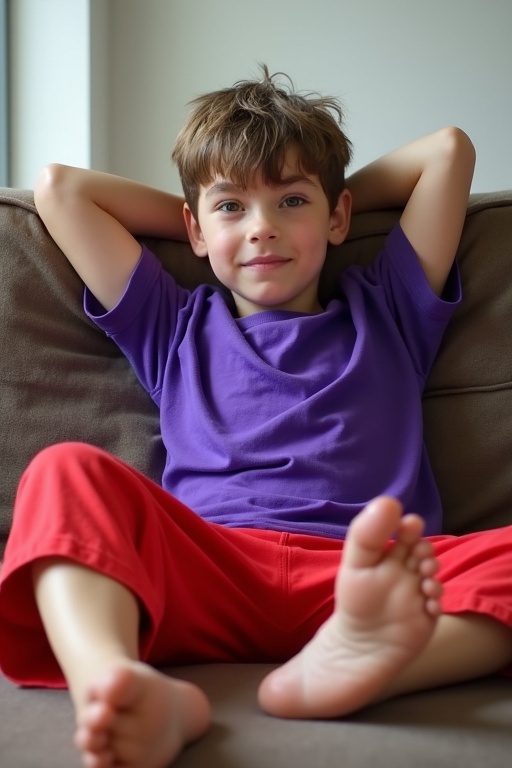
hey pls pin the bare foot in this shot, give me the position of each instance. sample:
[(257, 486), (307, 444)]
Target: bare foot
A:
[(137, 717), (387, 602)]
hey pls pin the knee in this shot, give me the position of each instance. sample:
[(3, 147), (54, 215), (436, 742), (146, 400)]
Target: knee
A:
[(62, 456)]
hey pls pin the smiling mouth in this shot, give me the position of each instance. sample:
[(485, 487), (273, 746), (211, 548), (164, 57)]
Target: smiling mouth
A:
[(266, 263)]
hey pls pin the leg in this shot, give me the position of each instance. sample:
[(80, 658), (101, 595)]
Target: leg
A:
[(127, 537), (463, 647), (384, 637), (80, 504), (127, 713)]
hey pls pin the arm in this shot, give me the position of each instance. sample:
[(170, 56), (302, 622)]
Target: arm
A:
[(431, 179), (94, 216)]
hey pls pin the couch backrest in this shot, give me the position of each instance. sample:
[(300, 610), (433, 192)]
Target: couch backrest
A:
[(61, 379)]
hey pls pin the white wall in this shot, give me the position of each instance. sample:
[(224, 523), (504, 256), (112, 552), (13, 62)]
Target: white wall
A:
[(58, 85), (104, 83), (401, 67)]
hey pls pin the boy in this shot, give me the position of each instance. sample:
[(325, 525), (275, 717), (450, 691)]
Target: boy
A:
[(293, 432)]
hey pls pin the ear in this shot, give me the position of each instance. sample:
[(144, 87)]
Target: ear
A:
[(194, 233), (340, 218)]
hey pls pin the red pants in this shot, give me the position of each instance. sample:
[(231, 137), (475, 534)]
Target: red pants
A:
[(207, 593)]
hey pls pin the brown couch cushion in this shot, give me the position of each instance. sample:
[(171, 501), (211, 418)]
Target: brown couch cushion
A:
[(465, 725), (61, 379)]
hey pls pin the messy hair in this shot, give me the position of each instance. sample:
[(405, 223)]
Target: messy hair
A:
[(247, 128)]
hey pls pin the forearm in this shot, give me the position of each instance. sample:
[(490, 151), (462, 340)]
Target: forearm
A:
[(430, 179), (140, 209), (94, 217), (389, 181)]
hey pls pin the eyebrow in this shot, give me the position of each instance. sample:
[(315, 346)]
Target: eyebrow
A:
[(224, 187), (227, 187)]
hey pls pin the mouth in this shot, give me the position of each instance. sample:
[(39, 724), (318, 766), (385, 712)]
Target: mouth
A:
[(266, 263)]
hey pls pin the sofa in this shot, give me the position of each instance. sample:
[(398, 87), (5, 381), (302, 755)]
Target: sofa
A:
[(62, 379)]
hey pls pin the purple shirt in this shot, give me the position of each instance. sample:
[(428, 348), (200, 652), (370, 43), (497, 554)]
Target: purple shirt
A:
[(283, 420)]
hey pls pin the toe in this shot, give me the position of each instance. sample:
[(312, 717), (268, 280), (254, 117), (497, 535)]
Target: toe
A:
[(90, 741), (433, 607), (370, 532), (431, 588), (97, 716), (428, 567), (91, 760)]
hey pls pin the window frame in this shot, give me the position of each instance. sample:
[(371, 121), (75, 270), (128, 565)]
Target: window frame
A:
[(4, 94)]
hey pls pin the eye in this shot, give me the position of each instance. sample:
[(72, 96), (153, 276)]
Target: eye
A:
[(230, 207), (293, 201)]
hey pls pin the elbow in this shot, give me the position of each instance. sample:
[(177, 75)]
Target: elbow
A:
[(49, 178), (459, 147), (49, 185)]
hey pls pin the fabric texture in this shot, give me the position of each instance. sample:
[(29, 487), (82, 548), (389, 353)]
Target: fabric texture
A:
[(61, 379), (208, 593), (289, 421)]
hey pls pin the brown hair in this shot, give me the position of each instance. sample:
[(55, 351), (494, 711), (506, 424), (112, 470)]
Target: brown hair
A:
[(237, 131)]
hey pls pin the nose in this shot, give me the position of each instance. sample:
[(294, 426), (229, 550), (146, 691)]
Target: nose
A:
[(262, 226)]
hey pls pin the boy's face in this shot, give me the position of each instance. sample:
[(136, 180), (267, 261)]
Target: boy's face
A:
[(267, 244)]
